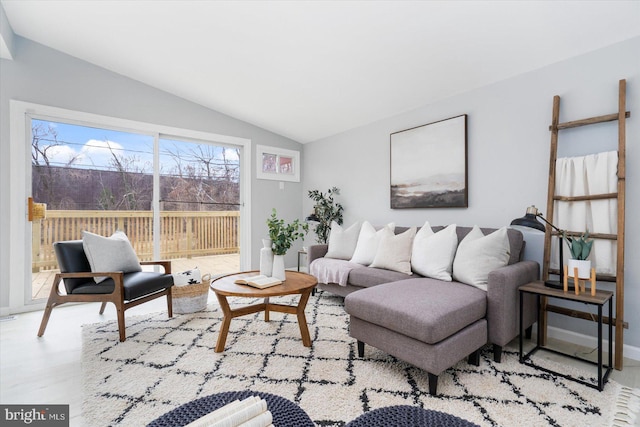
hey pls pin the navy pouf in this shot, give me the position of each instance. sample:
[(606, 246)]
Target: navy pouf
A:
[(405, 415), (285, 413)]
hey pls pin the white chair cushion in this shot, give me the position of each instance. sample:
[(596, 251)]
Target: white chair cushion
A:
[(107, 254)]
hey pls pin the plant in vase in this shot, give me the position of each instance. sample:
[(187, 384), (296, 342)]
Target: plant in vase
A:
[(282, 236), (325, 210), (580, 248)]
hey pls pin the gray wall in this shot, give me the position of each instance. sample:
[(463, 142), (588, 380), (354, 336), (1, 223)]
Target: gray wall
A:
[(45, 76), (508, 153)]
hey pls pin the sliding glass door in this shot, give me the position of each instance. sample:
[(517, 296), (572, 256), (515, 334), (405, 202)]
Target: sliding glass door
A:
[(176, 199)]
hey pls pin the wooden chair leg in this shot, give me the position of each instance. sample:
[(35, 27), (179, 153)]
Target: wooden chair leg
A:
[(169, 303), (51, 302), (102, 307), (121, 325), (45, 317)]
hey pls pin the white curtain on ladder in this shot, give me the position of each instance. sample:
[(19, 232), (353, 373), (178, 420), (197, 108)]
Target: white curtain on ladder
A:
[(583, 176)]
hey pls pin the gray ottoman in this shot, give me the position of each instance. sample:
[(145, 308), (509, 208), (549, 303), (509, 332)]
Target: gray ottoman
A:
[(429, 323)]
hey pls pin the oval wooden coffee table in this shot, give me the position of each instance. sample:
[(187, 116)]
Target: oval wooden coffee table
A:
[(296, 283)]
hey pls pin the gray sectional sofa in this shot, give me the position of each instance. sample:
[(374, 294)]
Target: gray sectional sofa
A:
[(432, 323)]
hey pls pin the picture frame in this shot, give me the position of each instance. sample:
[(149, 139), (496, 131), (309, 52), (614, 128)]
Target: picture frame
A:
[(277, 164), (429, 165)]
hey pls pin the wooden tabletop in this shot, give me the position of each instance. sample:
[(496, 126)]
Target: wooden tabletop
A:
[(294, 284), (539, 288)]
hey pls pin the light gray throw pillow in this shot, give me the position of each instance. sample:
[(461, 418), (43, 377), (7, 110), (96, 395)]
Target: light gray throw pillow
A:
[(106, 254), (478, 255), (342, 241), (394, 251)]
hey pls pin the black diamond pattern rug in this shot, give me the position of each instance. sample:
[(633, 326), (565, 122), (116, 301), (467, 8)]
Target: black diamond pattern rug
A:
[(165, 363)]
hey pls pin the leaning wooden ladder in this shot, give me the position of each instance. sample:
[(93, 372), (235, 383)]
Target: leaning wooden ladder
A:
[(552, 198)]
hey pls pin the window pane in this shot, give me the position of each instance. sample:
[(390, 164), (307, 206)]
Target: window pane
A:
[(199, 205)]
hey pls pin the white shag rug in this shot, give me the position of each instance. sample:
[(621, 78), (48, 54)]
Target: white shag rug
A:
[(165, 363)]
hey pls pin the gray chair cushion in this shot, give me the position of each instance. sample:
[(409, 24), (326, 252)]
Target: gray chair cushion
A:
[(426, 309)]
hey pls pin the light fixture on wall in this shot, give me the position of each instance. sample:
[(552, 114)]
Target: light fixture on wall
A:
[(530, 219)]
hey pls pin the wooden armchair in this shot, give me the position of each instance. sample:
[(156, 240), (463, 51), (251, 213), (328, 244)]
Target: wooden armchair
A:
[(125, 290)]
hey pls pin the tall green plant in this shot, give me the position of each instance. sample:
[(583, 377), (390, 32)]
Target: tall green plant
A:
[(283, 235), (326, 210), (580, 246)]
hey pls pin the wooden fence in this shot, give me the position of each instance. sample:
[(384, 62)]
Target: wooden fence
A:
[(182, 234)]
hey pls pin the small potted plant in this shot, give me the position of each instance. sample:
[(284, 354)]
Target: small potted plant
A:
[(580, 249), (282, 237)]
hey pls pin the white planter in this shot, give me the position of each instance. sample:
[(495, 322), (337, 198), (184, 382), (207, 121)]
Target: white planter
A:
[(278, 267), (583, 266), (266, 258)]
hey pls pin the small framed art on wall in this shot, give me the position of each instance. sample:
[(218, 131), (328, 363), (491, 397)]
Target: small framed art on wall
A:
[(277, 164)]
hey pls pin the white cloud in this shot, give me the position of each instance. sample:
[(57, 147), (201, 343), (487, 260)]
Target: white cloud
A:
[(98, 153), (60, 154)]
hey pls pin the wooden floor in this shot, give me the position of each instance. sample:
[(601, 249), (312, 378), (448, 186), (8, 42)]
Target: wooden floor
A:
[(47, 370)]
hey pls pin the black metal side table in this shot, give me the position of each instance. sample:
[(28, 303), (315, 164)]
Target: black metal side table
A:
[(599, 299)]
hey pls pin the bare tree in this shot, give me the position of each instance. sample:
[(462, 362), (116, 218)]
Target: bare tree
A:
[(44, 143), (135, 191)]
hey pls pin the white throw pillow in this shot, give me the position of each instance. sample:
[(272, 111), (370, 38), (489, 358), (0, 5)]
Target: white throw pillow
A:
[(107, 254), (368, 242), (394, 251), (433, 253), (478, 255), (342, 242)]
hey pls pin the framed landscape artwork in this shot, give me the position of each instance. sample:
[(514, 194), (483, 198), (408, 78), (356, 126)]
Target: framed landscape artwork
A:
[(429, 165), (277, 163)]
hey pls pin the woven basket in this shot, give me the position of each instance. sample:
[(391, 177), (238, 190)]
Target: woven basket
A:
[(191, 298)]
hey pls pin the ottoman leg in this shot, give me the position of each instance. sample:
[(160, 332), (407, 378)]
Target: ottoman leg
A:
[(497, 353), (433, 384), (474, 358), (360, 349)]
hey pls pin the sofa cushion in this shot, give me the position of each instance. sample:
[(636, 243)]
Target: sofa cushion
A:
[(368, 242), (369, 276), (342, 241), (428, 310), (478, 255), (394, 251), (432, 254)]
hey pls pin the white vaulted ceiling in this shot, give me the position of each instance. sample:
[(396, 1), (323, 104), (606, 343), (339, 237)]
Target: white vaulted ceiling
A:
[(311, 69)]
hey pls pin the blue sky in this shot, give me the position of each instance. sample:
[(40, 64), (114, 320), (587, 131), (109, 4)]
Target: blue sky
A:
[(92, 147)]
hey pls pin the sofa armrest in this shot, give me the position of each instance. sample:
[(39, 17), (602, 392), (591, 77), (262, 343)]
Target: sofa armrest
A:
[(503, 304), (316, 251)]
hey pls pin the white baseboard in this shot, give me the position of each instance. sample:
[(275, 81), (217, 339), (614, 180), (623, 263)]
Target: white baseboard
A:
[(630, 352)]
